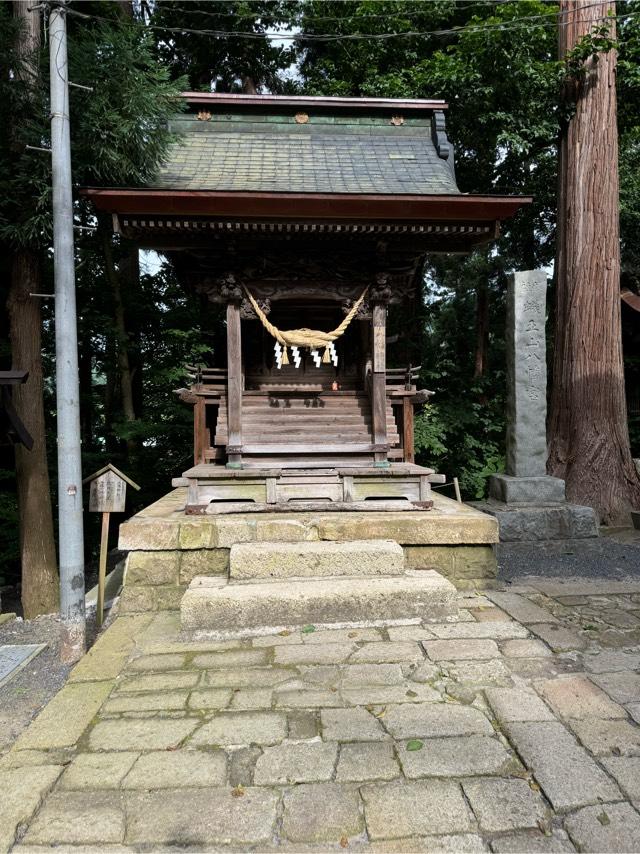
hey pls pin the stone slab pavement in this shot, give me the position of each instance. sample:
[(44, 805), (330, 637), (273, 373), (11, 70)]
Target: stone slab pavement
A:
[(514, 727)]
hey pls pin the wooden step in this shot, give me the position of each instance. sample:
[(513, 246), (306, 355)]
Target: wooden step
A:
[(341, 425), (304, 448), (306, 461), (314, 417)]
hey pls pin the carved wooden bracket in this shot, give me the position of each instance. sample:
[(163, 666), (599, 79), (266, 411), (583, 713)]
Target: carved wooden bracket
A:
[(363, 312), (229, 288), (439, 135), (381, 291), (247, 312)]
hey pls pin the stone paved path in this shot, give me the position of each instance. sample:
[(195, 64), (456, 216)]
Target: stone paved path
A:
[(513, 728)]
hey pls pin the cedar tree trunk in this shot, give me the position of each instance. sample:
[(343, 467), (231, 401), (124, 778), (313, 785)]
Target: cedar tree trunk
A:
[(124, 366), (37, 545), (482, 330), (589, 437)]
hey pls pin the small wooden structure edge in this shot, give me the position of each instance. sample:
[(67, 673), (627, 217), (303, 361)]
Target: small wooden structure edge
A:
[(108, 494), (11, 424), (308, 222)]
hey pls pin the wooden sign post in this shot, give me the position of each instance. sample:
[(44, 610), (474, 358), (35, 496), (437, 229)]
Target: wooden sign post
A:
[(108, 494)]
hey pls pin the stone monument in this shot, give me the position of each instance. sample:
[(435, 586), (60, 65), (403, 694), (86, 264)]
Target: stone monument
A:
[(528, 503)]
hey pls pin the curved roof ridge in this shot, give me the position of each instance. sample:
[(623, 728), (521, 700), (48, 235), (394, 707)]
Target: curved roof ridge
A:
[(334, 101)]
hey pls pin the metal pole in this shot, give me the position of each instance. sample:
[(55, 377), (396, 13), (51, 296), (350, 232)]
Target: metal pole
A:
[(70, 534)]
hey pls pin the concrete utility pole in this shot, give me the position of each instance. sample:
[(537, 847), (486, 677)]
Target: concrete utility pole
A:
[(71, 544)]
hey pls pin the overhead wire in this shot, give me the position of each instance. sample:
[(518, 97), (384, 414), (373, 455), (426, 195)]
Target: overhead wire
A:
[(406, 13), (516, 24)]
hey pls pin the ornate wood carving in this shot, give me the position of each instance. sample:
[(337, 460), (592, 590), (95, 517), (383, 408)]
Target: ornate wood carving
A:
[(382, 291), (229, 289), (247, 312), (439, 136), (363, 312)]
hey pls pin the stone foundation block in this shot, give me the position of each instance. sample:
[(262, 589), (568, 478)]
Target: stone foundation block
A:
[(314, 559), (551, 522), (150, 534), (197, 534), (150, 568), (468, 567), (526, 490), (169, 598), (157, 580), (460, 525), (203, 562), (284, 530), (136, 598)]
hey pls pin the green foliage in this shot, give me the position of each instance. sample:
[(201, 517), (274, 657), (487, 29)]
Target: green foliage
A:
[(462, 441), (24, 175), (500, 82), (119, 136), (120, 131), (628, 81), (589, 47), (219, 62)]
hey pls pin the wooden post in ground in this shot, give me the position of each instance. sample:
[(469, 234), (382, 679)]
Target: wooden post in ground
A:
[(102, 567), (200, 441), (108, 494), (408, 439), (234, 385)]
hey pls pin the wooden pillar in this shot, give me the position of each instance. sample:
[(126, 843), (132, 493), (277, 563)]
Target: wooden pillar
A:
[(200, 438), (234, 386), (407, 430), (379, 383)]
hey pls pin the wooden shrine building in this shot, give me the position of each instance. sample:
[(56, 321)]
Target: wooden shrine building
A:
[(309, 220)]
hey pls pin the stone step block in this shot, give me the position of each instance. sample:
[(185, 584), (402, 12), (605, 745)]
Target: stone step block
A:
[(316, 559), (210, 604)]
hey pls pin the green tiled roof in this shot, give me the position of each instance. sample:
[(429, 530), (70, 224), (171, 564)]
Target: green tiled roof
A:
[(328, 154)]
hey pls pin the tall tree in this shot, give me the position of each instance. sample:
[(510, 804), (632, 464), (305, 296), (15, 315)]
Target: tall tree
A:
[(197, 39), (589, 436), (496, 65), (37, 545), (119, 135)]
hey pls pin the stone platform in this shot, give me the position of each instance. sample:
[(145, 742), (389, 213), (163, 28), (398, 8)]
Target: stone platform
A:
[(167, 548)]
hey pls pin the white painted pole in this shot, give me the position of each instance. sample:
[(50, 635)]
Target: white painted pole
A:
[(70, 533)]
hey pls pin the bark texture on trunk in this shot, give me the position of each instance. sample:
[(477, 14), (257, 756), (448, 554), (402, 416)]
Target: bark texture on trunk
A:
[(37, 545), (482, 330), (589, 437), (124, 365)]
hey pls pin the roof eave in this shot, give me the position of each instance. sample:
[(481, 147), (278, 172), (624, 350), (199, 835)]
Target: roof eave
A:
[(307, 206), (313, 101)]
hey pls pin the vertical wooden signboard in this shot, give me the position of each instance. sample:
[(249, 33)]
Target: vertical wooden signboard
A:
[(107, 495)]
